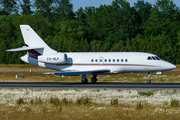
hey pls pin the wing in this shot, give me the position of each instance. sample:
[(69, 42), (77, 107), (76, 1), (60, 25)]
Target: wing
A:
[(83, 72)]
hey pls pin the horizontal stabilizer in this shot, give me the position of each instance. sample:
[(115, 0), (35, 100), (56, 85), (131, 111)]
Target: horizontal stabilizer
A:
[(83, 72), (25, 48)]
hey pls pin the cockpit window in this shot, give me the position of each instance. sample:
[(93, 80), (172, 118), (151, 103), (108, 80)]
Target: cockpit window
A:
[(153, 58), (149, 58), (158, 58)]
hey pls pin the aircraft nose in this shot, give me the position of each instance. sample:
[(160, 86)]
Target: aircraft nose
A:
[(170, 66), (173, 66)]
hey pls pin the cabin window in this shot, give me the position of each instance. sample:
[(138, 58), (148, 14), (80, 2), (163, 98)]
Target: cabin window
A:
[(100, 60), (105, 60), (126, 60), (96, 60), (121, 60), (117, 60), (92, 60), (113, 60), (109, 60)]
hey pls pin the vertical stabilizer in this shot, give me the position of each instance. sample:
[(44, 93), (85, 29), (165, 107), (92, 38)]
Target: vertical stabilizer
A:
[(31, 39)]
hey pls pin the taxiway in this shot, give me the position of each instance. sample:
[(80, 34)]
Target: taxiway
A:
[(98, 85)]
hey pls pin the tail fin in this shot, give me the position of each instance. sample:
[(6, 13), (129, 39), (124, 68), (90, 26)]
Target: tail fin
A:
[(31, 39)]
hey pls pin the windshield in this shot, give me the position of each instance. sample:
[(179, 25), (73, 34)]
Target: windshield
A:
[(153, 58)]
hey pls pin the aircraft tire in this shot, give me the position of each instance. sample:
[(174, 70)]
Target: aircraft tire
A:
[(149, 81), (85, 81), (93, 79)]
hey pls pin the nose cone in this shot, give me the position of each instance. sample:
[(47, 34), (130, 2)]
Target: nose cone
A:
[(168, 66), (173, 66)]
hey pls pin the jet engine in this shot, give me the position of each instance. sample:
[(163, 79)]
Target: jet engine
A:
[(57, 58)]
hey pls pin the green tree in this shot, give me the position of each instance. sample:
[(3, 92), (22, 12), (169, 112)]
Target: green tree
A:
[(127, 16), (26, 7), (63, 10), (166, 8), (43, 8), (144, 10), (9, 6), (118, 47), (80, 16)]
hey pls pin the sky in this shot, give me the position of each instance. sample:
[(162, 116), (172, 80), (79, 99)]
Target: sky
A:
[(96, 3)]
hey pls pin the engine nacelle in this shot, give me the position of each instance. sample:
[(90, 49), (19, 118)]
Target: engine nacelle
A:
[(57, 58)]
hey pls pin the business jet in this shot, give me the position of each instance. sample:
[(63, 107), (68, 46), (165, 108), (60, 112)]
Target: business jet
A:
[(85, 63)]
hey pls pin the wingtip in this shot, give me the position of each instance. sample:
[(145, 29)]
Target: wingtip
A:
[(8, 50), (24, 25)]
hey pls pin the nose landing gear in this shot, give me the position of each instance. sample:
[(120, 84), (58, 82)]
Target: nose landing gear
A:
[(149, 78), (148, 81)]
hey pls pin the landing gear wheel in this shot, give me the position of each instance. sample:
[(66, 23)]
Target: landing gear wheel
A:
[(149, 77), (93, 79), (85, 81), (149, 81)]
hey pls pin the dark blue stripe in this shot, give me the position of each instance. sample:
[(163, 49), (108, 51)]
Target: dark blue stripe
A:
[(72, 73)]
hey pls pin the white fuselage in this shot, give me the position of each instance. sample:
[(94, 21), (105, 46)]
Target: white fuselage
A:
[(116, 62)]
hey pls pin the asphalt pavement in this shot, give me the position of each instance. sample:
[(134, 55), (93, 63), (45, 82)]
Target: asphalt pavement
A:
[(98, 85)]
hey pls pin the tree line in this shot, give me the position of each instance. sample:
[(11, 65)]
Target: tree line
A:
[(119, 27)]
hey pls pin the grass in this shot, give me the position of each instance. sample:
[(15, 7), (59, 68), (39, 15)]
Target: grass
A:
[(32, 101), (139, 106), (19, 66), (169, 76), (174, 103), (83, 101), (88, 107), (77, 89), (55, 101), (89, 112), (38, 100), (145, 93), (98, 90), (20, 101), (114, 101)]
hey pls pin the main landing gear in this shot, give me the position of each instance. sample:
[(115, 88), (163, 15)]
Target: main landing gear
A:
[(94, 79), (149, 78), (85, 80)]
